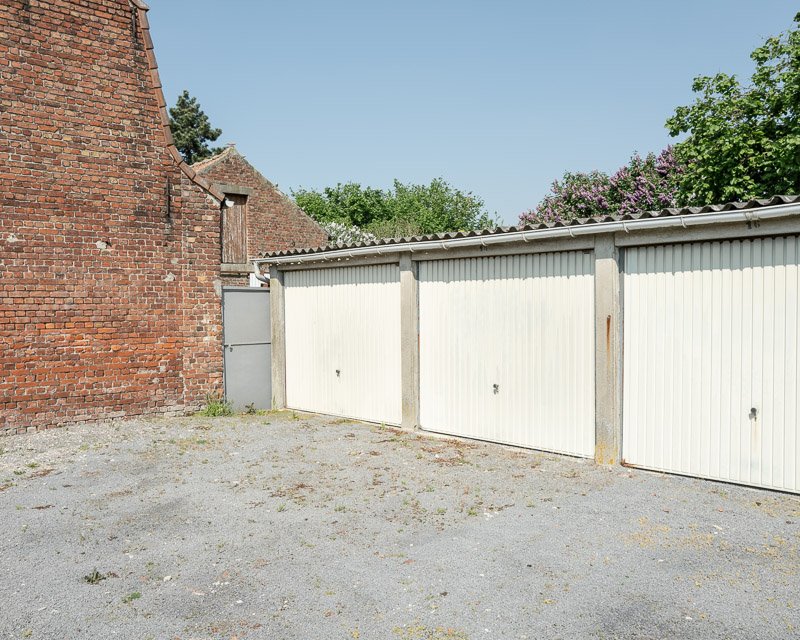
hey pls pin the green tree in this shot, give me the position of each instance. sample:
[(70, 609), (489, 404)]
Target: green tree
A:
[(406, 209), (744, 141), (191, 129)]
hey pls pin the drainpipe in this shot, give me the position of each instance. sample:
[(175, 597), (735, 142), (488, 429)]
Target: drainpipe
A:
[(258, 274)]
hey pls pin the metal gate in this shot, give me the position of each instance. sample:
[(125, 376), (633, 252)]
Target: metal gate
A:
[(711, 338), (343, 342), (247, 347), (507, 349)]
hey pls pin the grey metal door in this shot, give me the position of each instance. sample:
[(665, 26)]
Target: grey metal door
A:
[(247, 349)]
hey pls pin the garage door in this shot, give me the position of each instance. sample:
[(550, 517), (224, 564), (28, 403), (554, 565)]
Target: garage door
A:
[(507, 349), (343, 342), (711, 360)]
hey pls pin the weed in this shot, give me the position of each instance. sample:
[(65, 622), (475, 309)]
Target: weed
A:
[(19, 473), (472, 511), (441, 511), (131, 597), (429, 488), (95, 577), (341, 507), (3, 451), (33, 465), (282, 507), (216, 405), (202, 442)]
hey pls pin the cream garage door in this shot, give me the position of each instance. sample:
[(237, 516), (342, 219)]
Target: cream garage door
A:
[(507, 349), (343, 342), (711, 337)]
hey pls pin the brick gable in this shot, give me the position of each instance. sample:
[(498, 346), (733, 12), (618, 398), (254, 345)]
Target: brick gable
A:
[(109, 298)]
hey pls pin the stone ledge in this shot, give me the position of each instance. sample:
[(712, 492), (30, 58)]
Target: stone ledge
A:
[(233, 189), (229, 268)]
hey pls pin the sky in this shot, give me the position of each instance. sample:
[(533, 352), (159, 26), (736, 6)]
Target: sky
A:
[(497, 98)]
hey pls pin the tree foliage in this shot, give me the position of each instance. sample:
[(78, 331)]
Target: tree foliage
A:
[(744, 141), (406, 209), (643, 184), (191, 129), (340, 233)]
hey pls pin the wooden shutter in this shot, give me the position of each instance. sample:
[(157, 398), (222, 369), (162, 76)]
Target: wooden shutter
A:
[(234, 231)]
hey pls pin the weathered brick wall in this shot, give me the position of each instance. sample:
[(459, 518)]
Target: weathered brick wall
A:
[(274, 221), (109, 254)]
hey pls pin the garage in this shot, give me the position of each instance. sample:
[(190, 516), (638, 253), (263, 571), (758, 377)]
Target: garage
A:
[(342, 332), (710, 336), (506, 349)]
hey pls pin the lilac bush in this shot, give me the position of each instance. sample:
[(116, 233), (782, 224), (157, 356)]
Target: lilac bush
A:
[(644, 184), (340, 233)]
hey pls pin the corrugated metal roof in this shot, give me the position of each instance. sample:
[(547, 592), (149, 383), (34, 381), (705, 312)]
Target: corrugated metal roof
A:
[(450, 235)]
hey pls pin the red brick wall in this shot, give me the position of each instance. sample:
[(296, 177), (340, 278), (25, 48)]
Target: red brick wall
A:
[(274, 221), (109, 253)]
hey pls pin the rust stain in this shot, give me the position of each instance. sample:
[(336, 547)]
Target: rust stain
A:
[(608, 334)]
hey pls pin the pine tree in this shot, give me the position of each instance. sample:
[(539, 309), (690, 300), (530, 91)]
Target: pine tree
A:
[(191, 129)]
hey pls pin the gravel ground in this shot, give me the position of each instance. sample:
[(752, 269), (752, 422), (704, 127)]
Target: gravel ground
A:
[(296, 526)]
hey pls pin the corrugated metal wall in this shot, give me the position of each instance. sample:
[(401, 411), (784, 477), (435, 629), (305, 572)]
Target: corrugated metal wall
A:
[(711, 331), (343, 342), (522, 323)]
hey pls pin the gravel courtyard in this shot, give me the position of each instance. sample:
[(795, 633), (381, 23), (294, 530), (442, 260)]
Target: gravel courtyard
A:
[(295, 526)]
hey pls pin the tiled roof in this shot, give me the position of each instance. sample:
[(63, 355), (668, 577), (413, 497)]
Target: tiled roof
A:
[(205, 164), (141, 8), (582, 222)]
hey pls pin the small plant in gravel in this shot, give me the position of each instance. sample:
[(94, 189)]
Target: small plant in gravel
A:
[(216, 405), (282, 507), (3, 451), (131, 597), (33, 465), (95, 577)]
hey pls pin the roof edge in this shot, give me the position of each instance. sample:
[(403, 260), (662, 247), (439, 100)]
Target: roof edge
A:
[(753, 210), (205, 165), (141, 8)]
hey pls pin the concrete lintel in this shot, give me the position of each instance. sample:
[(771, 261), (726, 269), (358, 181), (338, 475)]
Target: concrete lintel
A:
[(230, 268), (391, 258), (278, 338), (710, 232), (584, 243), (233, 189), (409, 341), (608, 340)]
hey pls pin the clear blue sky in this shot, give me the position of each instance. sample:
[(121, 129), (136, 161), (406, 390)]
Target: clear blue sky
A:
[(498, 98)]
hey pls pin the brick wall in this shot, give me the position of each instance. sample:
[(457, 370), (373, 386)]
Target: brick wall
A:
[(274, 221), (109, 251)]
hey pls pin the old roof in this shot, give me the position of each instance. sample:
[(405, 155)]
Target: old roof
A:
[(579, 222), (205, 164), (141, 13)]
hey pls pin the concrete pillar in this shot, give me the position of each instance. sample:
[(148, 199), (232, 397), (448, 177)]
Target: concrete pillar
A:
[(278, 333), (409, 341), (608, 341)]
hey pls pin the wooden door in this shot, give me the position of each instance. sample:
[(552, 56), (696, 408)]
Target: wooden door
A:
[(234, 231)]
